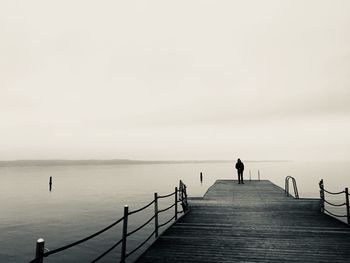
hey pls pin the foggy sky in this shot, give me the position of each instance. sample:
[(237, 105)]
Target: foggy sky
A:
[(175, 79)]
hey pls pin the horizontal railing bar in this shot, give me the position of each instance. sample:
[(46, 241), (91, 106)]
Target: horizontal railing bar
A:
[(332, 203), (333, 214), (107, 251), (165, 196), (82, 240), (140, 209), (167, 222), (139, 246), (337, 193), (165, 209), (137, 229)]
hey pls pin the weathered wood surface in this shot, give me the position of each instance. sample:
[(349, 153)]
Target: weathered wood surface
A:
[(253, 222)]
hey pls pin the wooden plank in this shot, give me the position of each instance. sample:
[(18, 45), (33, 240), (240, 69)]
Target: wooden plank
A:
[(253, 222)]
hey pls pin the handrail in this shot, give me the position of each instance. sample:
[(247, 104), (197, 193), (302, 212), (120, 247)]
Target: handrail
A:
[(142, 208), (334, 193), (161, 225), (323, 201), (142, 226), (165, 196), (336, 215), (327, 202), (286, 187), (183, 196), (107, 251), (180, 196), (46, 254), (250, 175), (166, 209), (139, 246)]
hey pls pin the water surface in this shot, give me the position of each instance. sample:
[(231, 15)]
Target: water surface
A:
[(85, 199)]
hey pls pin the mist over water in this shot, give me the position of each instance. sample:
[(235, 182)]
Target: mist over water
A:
[(151, 80), (85, 199)]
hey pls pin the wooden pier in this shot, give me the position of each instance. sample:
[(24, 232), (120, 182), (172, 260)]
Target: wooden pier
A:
[(252, 222)]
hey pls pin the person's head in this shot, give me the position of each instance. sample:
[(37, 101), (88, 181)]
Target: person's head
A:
[(238, 160)]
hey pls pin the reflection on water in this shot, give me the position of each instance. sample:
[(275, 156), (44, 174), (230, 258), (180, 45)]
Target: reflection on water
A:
[(84, 199)]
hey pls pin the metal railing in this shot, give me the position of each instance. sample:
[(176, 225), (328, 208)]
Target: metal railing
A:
[(323, 201), (180, 196), (286, 186), (250, 175)]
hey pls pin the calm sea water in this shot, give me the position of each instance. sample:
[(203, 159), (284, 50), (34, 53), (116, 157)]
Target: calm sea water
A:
[(84, 199)]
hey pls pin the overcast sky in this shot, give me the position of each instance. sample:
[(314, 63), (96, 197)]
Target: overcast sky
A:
[(175, 79)]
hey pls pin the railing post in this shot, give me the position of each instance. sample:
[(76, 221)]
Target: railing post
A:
[(175, 203), (347, 204), (39, 251), (296, 192), (285, 186), (258, 175), (250, 175), (185, 197), (181, 190), (322, 195), (125, 233), (156, 214)]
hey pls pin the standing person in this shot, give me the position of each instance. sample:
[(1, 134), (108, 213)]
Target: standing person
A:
[(240, 169)]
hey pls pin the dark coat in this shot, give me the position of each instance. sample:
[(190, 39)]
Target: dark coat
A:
[(240, 166)]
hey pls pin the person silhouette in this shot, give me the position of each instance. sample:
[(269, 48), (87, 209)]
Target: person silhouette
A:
[(240, 169)]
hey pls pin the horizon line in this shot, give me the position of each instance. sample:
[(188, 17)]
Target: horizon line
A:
[(52, 162)]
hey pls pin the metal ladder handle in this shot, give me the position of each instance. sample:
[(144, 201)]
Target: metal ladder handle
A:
[(295, 187)]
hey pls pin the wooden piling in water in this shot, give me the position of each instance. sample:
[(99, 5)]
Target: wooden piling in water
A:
[(39, 251), (50, 183)]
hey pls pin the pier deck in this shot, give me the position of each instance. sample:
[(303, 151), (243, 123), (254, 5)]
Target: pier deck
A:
[(253, 222)]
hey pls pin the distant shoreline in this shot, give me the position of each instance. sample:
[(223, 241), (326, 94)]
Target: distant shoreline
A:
[(114, 162)]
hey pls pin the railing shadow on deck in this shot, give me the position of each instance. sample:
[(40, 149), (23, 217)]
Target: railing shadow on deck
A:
[(323, 201), (180, 196)]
